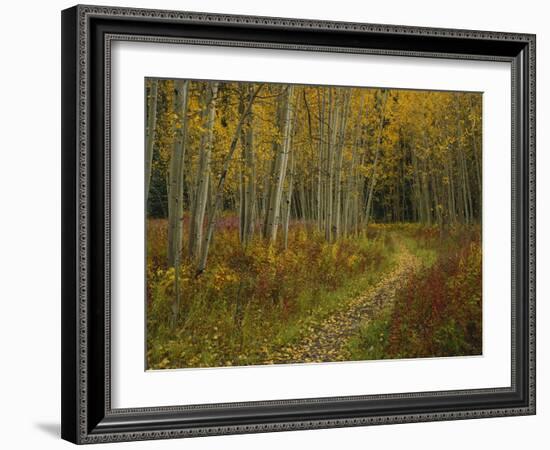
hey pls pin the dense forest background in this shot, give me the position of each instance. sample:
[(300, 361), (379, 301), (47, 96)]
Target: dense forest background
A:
[(241, 177)]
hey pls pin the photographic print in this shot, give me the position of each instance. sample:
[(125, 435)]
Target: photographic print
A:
[(292, 223), (371, 219)]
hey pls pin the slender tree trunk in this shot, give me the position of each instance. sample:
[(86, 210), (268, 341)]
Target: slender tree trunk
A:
[(288, 198), (374, 167), (466, 200), (151, 134), (270, 180), (175, 191), (359, 190), (281, 161), (197, 238), (306, 206), (320, 159), (247, 176), (218, 197), (350, 192), (419, 208), (250, 165), (450, 195), (242, 199), (339, 159), (478, 173), (243, 206), (426, 181), (333, 133), (426, 193)]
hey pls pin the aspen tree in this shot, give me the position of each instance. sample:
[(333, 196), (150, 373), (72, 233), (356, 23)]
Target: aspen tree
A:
[(151, 130)]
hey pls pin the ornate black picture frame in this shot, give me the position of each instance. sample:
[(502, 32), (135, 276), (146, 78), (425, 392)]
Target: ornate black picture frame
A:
[(87, 34)]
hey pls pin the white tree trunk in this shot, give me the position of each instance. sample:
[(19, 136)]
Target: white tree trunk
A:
[(374, 167), (151, 132), (175, 192), (339, 159), (274, 209), (218, 196), (203, 177)]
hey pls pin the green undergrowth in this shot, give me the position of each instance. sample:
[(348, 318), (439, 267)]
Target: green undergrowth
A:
[(251, 302)]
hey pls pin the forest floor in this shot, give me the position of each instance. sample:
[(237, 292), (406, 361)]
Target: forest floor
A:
[(403, 291), (329, 340)]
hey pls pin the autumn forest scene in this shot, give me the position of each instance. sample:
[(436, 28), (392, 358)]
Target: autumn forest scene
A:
[(304, 224)]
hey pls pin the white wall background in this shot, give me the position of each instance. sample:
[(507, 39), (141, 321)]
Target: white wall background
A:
[(30, 223)]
